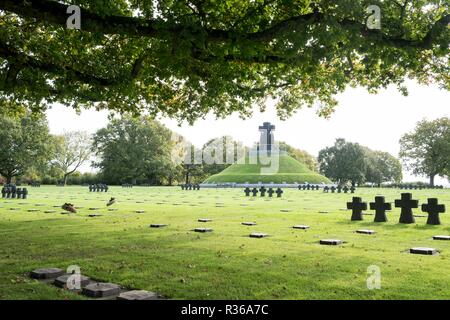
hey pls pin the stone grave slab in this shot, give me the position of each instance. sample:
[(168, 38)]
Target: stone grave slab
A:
[(32, 210), (249, 223), (138, 295), (49, 211), (285, 210), (46, 273), (158, 225), (365, 231), (423, 250), (101, 290), (441, 237), (203, 230), (61, 281), (258, 235), (330, 242), (204, 220), (301, 226), (113, 209), (93, 215), (140, 211), (93, 208)]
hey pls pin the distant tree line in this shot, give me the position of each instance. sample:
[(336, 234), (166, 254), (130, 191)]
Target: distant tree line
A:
[(347, 162), (140, 150)]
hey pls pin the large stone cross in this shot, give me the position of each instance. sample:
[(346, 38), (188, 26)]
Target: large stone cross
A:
[(267, 139)]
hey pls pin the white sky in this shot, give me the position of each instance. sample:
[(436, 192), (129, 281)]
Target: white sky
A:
[(376, 121)]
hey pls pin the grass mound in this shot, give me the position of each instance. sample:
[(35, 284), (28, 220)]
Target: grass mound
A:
[(252, 171)]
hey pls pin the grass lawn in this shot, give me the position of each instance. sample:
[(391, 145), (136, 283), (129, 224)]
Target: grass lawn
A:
[(120, 247)]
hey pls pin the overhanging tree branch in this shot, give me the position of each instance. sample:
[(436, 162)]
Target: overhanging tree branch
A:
[(48, 11), (12, 56)]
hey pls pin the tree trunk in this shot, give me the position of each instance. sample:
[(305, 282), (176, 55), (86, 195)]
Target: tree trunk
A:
[(65, 179), (187, 177), (8, 179), (432, 180)]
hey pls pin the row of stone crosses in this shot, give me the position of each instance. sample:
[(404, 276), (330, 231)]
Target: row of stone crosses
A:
[(98, 187), (419, 187), (190, 186), (406, 203), (333, 189), (262, 192), (10, 191)]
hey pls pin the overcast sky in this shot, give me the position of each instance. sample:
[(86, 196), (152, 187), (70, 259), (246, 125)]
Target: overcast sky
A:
[(376, 121)]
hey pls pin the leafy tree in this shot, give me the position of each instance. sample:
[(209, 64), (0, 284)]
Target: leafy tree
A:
[(24, 143), (301, 156), (132, 149), (426, 150), (73, 149), (382, 167), (231, 152), (343, 162), (184, 59)]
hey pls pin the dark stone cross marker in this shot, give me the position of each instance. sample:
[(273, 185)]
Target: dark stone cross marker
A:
[(262, 191), (433, 209), (279, 192), (270, 192), (247, 191), (357, 206), (406, 203), (380, 207), (254, 192)]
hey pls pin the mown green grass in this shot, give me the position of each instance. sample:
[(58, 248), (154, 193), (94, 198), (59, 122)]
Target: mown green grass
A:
[(119, 246), (287, 170)]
